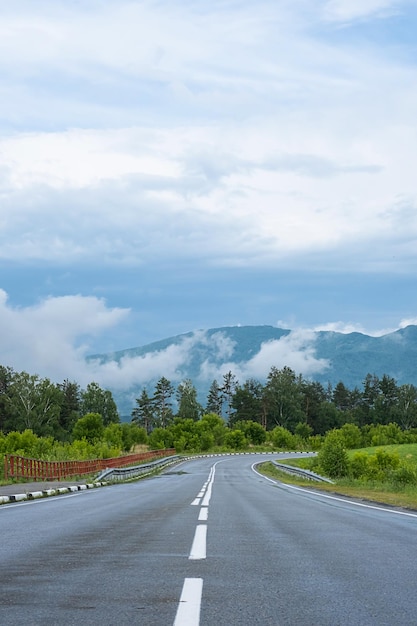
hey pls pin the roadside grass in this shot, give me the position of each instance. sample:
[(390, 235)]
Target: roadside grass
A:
[(307, 462), (16, 481), (374, 491), (87, 478), (406, 451), (139, 448)]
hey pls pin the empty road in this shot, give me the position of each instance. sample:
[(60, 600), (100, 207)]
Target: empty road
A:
[(209, 542)]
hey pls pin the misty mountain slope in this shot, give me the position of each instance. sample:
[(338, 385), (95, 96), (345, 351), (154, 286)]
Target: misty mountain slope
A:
[(354, 355), (247, 340), (251, 351)]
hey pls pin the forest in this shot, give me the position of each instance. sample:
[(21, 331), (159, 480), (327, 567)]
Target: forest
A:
[(288, 410)]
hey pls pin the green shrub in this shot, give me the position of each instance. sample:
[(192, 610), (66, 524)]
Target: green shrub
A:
[(206, 441), (236, 440), (358, 465), (89, 427), (378, 466), (381, 464), (282, 438), (404, 475), (385, 434), (161, 438), (410, 436), (44, 448), (215, 425), (113, 436), (132, 435), (315, 442), (180, 444), (12, 443), (386, 460), (352, 435), (332, 456), (81, 449), (303, 430), (104, 451), (253, 431)]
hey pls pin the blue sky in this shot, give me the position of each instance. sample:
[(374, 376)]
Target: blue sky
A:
[(173, 166)]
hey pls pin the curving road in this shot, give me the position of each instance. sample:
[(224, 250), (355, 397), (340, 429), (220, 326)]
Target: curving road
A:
[(209, 542)]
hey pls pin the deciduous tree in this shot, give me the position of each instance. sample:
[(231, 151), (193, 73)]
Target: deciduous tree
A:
[(283, 394), (97, 400), (247, 402), (188, 405), (33, 403)]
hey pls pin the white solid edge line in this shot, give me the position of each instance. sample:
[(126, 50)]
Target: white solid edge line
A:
[(198, 549), (188, 612), (325, 495)]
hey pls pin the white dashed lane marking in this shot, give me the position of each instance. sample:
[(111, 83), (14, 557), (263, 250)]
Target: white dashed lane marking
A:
[(188, 612)]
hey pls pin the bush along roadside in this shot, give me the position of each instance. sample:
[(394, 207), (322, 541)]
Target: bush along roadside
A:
[(381, 466)]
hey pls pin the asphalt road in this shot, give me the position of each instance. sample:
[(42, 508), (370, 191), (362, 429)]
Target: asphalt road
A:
[(209, 542)]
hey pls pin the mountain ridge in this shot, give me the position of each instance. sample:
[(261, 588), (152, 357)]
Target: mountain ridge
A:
[(327, 357)]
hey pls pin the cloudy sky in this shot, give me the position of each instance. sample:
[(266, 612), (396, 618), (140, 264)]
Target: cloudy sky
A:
[(168, 166)]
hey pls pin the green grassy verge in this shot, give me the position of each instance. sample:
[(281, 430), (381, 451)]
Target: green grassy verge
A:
[(381, 493), (406, 451)]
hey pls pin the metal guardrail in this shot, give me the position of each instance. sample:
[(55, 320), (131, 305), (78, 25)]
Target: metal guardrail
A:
[(290, 469), (127, 473)]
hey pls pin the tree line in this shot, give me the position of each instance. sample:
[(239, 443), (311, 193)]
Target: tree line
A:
[(286, 400), (29, 402)]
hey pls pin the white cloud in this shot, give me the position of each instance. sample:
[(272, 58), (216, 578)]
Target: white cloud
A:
[(171, 362), (340, 327), (140, 370), (116, 198), (410, 321), (231, 114), (81, 158), (295, 350), (344, 328), (349, 10), (222, 346), (277, 135), (52, 338)]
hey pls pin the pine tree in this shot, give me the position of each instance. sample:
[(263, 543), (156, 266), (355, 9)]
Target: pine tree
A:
[(230, 384), (214, 399), (144, 413), (162, 404), (188, 406)]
